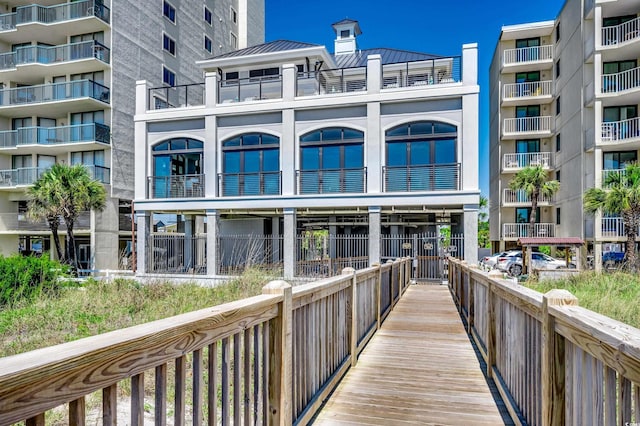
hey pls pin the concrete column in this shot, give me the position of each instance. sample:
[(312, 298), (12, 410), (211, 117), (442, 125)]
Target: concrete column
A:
[(597, 19), (210, 155), (333, 230), (143, 222), (288, 152), (289, 244), (142, 169), (374, 146), (471, 233), (374, 234), (374, 73), (470, 64), (468, 143), (598, 167), (597, 255), (212, 242), (210, 89), (142, 96), (275, 236), (289, 73), (188, 243)]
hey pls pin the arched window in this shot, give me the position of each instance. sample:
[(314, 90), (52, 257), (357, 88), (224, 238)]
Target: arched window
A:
[(422, 156), (331, 161), (177, 169), (251, 165)]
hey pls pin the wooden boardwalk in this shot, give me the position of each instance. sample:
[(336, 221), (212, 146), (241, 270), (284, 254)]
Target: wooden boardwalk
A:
[(419, 368)]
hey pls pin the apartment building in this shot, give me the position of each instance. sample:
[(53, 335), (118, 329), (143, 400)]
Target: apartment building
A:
[(311, 161), (67, 84), (564, 94)]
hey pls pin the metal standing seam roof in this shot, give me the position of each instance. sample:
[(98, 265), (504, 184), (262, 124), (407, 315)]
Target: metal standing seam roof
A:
[(350, 60)]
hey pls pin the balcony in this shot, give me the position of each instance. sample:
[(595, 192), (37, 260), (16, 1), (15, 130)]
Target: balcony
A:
[(613, 227), (621, 35), (514, 128), (63, 57), (422, 73), (527, 58), (619, 132), (44, 99), (328, 82), (606, 173), (249, 184), (19, 222), (25, 176), (180, 186), (32, 139), (250, 89), (337, 181), (185, 95), (621, 84), (51, 22), (513, 231), (432, 177), (519, 198), (522, 93), (515, 162)]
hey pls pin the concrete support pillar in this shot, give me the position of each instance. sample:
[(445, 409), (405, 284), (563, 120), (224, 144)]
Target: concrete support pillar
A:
[(598, 169), (468, 144), (212, 242), (375, 228), (374, 73), (210, 154), (471, 234), (142, 169), (288, 152), (289, 73), (470, 64), (275, 236), (143, 222), (210, 89), (333, 230), (597, 255), (289, 245), (188, 259), (374, 148)]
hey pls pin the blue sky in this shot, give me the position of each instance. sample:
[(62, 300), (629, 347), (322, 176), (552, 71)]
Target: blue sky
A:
[(439, 27)]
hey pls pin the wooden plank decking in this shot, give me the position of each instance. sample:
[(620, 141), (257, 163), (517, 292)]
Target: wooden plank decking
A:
[(419, 368)]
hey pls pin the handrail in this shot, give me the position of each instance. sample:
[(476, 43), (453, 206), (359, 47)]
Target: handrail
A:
[(290, 348), (527, 89), (527, 124), (54, 14), (543, 351), (54, 54), (622, 33), (527, 54)]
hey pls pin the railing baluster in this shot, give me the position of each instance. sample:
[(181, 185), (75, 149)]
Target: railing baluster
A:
[(137, 400), (160, 408), (110, 405), (180, 391), (225, 382), (212, 388), (198, 385)]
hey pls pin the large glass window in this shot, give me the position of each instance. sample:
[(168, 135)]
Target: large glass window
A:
[(177, 168), (526, 146), (612, 114), (251, 165), (421, 156), (332, 161), (523, 215), (618, 159), (527, 77)]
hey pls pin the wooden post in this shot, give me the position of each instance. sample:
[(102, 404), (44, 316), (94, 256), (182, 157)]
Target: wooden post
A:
[(280, 356), (553, 368), (378, 288), (491, 329), (471, 310), (354, 314)]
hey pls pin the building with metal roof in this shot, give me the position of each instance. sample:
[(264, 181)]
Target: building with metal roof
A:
[(295, 157)]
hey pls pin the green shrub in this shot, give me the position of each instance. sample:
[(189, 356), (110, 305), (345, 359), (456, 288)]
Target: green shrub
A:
[(24, 277)]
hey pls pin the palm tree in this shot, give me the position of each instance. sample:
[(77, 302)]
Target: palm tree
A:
[(534, 182), (71, 191), (42, 205), (483, 205), (621, 196)]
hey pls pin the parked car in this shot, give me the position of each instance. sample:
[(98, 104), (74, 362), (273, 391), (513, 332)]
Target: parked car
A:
[(503, 261), (538, 261), (489, 262)]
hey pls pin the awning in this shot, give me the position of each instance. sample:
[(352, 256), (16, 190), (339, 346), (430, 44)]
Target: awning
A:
[(550, 241)]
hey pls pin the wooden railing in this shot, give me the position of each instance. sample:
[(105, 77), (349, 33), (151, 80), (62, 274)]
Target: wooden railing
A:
[(269, 359), (553, 362)]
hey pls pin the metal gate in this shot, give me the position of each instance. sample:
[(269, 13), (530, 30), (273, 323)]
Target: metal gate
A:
[(428, 250)]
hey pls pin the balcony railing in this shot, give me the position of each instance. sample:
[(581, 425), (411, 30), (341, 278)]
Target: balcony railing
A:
[(248, 184), (529, 89), (54, 92), (421, 73), (527, 125), (21, 222), (625, 32), (521, 197), (614, 227), (78, 133), (54, 54), (250, 89), (176, 96), (527, 54), (180, 186), (22, 176), (54, 14), (332, 181), (341, 80), (622, 81), (518, 230), (521, 160), (621, 130), (607, 173), (432, 177)]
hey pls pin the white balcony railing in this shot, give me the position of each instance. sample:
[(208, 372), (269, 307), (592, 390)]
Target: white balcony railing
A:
[(517, 230), (521, 160), (607, 173), (623, 33), (622, 81), (527, 55), (614, 227), (540, 124), (621, 130), (528, 89), (510, 196)]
